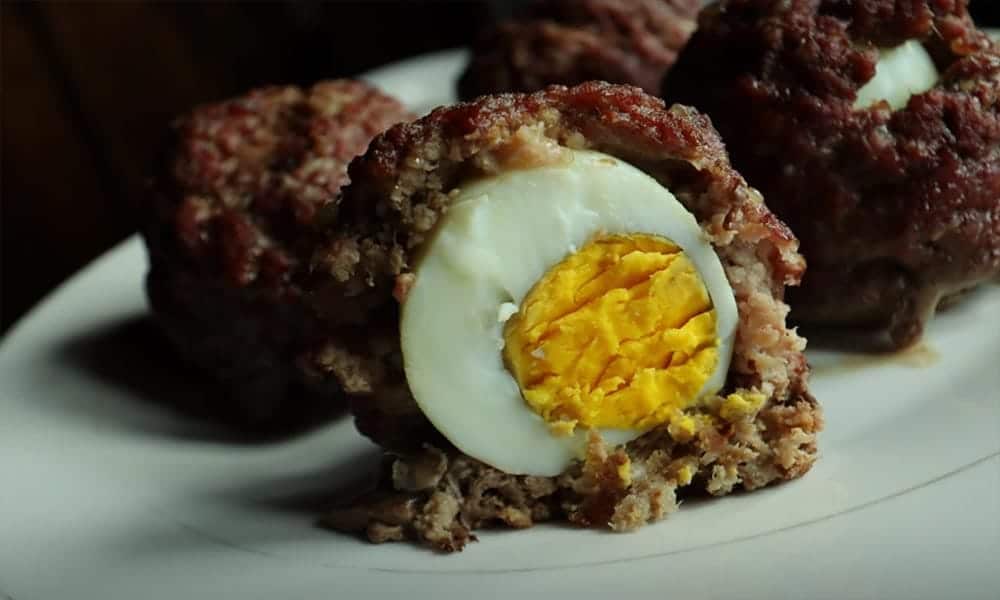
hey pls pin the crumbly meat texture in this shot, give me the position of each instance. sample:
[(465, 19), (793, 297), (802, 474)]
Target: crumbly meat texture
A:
[(896, 210), (229, 231), (569, 42), (400, 188)]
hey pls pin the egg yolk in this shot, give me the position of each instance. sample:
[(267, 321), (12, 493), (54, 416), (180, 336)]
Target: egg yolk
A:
[(621, 334)]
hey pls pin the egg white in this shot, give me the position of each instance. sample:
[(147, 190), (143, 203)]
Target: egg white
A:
[(498, 238), (900, 73)]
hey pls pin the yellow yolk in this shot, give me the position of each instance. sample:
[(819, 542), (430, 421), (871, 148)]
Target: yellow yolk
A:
[(741, 404), (625, 472), (682, 428), (621, 335), (684, 475)]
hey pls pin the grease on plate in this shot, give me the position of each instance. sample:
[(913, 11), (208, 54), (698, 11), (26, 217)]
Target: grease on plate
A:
[(918, 356)]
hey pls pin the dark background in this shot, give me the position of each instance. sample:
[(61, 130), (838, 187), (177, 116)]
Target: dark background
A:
[(88, 88)]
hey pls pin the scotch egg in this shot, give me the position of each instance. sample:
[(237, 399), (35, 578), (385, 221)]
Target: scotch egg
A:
[(559, 305), (227, 221), (871, 128)]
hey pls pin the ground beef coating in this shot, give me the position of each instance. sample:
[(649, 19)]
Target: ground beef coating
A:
[(229, 224), (568, 42), (896, 210), (400, 188)]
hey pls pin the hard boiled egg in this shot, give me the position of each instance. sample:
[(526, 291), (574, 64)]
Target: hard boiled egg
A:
[(578, 295), (900, 73)]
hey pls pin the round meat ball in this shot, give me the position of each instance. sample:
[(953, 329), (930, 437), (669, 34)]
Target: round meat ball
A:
[(229, 229), (872, 128), (407, 193), (568, 42)]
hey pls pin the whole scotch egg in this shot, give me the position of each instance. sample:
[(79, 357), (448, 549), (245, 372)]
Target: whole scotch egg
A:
[(564, 305), (228, 223), (875, 129), (568, 42)]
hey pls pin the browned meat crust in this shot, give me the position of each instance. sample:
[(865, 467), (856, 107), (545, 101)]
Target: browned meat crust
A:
[(399, 189), (440, 497), (571, 41), (228, 224), (895, 210)]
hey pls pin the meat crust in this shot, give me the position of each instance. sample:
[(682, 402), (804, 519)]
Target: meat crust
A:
[(229, 232), (896, 210), (568, 42), (399, 190)]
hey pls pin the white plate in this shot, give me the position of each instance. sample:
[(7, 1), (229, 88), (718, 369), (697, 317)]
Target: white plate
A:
[(105, 492)]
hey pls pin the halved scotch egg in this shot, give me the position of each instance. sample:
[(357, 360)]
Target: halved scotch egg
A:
[(566, 305)]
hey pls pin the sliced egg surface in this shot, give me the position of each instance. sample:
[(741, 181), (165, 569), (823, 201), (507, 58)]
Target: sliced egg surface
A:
[(901, 72), (560, 299)]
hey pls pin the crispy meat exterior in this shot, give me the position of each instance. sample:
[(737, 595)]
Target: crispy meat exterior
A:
[(361, 272), (896, 210), (568, 42), (229, 226)]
